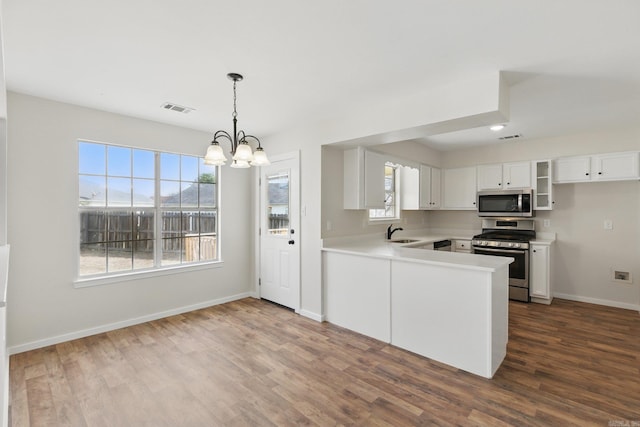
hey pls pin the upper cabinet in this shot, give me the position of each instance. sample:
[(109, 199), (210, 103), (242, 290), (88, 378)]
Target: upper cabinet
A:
[(504, 176), (541, 178), (615, 166), (459, 188), (363, 179), (572, 169), (429, 187), (419, 187), (600, 167)]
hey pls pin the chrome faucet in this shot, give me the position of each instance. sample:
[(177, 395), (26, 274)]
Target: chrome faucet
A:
[(390, 231)]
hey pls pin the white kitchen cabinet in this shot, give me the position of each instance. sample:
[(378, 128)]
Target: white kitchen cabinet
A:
[(459, 188), (419, 187), (504, 176), (463, 246), (599, 167), (542, 184), (540, 273), (363, 179), (489, 177), (409, 188), (615, 166), (429, 187), (572, 169)]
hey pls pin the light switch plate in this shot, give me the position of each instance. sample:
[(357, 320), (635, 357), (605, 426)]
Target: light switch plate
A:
[(608, 224)]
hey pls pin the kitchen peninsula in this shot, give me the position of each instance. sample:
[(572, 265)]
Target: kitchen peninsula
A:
[(450, 307)]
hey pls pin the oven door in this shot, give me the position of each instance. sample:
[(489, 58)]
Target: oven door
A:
[(518, 270)]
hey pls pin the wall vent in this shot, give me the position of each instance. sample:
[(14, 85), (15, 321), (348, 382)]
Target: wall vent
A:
[(517, 135), (175, 107)]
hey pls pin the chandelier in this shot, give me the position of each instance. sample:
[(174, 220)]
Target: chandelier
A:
[(241, 152)]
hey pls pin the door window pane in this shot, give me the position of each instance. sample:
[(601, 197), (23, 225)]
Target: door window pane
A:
[(278, 204)]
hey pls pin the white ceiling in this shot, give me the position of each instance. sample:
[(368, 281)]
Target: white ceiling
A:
[(572, 65)]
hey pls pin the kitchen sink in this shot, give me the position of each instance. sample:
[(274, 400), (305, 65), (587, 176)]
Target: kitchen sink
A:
[(404, 241)]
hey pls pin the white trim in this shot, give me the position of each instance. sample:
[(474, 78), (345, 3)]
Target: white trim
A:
[(598, 301), (313, 316), (121, 324), (145, 274)]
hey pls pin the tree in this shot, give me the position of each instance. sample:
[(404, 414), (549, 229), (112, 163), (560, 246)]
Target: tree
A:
[(207, 178)]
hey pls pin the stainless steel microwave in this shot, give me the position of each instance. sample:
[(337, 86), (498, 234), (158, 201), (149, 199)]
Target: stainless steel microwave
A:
[(506, 203)]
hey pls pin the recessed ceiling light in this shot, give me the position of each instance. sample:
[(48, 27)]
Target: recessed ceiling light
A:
[(496, 128)]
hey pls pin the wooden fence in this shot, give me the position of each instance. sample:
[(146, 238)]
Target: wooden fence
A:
[(123, 230)]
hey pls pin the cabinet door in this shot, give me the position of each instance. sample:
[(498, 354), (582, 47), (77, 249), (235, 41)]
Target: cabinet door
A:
[(425, 187), (490, 177), (572, 169), (373, 180), (517, 175), (615, 166), (410, 182), (435, 188), (459, 188), (542, 188), (539, 271)]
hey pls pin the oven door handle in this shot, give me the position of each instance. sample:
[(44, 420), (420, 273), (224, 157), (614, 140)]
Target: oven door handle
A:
[(519, 251)]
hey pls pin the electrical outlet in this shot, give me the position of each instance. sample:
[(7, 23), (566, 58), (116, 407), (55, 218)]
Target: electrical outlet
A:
[(546, 223), (608, 224)]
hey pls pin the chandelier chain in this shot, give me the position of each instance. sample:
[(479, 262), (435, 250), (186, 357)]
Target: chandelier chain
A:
[(235, 113)]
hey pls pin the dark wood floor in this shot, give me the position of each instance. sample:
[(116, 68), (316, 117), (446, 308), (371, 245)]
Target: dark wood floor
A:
[(250, 362)]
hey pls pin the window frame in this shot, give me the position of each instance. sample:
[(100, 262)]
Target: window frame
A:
[(396, 197), (157, 269)]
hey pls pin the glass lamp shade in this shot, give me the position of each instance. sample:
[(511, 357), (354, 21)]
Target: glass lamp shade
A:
[(243, 152), (240, 164), (215, 156), (260, 158)]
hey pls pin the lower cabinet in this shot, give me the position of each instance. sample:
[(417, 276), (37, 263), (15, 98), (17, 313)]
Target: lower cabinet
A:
[(540, 273)]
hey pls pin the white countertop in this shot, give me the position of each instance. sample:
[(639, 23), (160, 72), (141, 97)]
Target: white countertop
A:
[(378, 247)]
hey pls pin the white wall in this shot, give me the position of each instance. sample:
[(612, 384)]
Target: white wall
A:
[(42, 175)]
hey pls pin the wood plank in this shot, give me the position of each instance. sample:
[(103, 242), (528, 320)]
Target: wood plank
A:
[(250, 362)]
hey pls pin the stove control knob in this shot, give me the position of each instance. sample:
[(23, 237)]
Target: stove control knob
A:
[(510, 245), (516, 245), (484, 243)]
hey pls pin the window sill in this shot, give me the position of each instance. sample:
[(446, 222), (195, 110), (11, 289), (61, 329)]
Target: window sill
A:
[(373, 221), (124, 277)]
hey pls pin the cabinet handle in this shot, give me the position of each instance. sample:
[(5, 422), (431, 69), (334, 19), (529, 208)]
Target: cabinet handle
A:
[(587, 174), (508, 183), (599, 173), (499, 184), (534, 250)]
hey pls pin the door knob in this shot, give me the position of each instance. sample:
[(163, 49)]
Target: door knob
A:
[(291, 242)]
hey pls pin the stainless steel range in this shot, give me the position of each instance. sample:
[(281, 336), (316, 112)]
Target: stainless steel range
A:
[(508, 237)]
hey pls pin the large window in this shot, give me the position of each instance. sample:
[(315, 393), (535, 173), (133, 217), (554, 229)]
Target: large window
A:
[(144, 210), (391, 203)]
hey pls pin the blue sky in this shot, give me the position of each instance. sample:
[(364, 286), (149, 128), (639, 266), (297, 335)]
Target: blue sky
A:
[(120, 163)]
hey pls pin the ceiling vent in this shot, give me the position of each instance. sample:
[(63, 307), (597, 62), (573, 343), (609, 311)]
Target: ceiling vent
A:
[(516, 136), (175, 107)]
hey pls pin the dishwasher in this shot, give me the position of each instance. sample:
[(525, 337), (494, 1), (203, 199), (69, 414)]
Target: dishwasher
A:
[(442, 245)]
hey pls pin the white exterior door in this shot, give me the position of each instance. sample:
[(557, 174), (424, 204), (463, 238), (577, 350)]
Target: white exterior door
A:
[(280, 231)]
